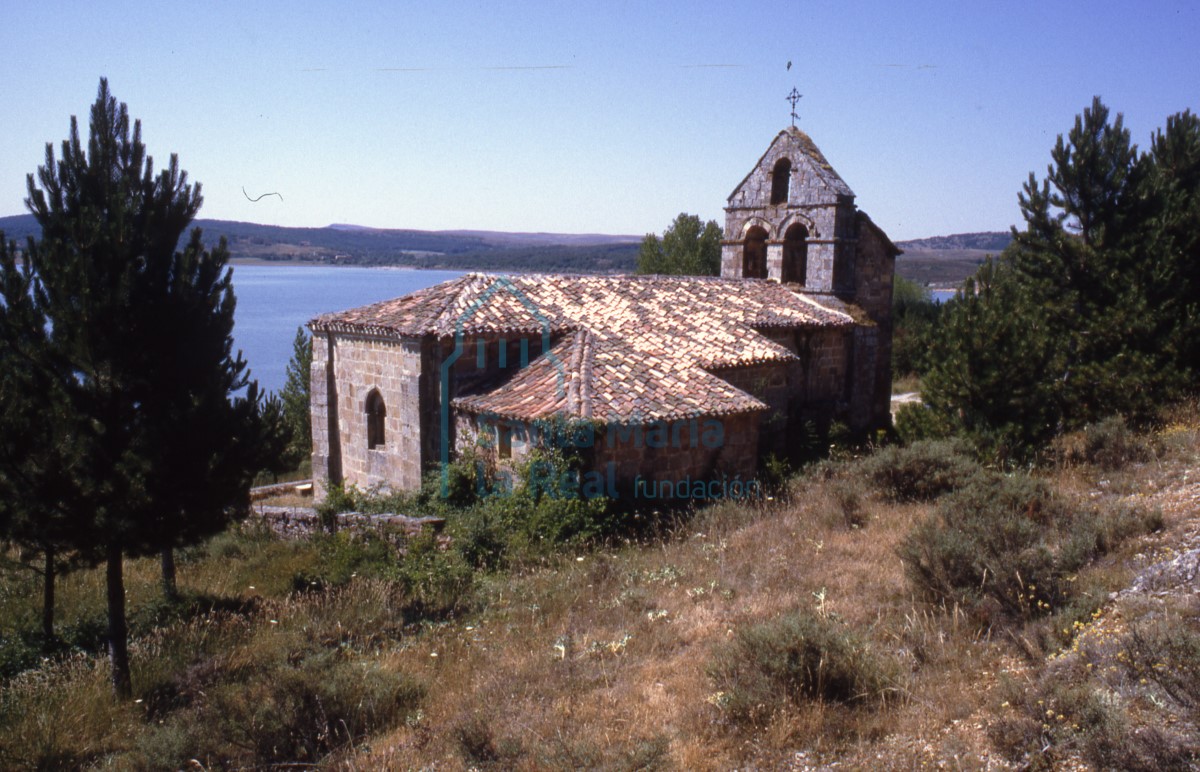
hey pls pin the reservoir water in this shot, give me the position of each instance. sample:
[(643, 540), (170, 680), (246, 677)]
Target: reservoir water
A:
[(272, 301)]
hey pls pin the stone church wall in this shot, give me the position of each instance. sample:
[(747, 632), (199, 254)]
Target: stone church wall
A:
[(345, 369)]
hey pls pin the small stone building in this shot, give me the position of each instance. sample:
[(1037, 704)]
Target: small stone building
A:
[(663, 386)]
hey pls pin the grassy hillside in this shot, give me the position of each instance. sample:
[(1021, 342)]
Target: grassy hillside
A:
[(788, 633)]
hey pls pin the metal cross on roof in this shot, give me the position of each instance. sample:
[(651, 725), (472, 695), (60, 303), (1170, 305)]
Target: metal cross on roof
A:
[(794, 97)]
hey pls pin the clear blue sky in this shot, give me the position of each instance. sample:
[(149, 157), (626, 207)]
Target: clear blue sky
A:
[(605, 116)]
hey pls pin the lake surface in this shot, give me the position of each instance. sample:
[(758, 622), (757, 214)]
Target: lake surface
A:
[(272, 301)]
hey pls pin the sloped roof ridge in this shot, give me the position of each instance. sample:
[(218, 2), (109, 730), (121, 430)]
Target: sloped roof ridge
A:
[(826, 172), (530, 393)]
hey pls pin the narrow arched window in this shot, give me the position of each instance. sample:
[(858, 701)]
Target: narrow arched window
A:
[(376, 416), (754, 254), (780, 179), (795, 254)]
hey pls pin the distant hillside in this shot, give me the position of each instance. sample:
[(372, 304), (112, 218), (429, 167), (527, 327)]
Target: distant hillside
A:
[(990, 241), (946, 261), (941, 261), (344, 244)]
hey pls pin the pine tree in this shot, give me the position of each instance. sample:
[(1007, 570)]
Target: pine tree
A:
[(1094, 309), (1082, 256), (1175, 192), (38, 501), (989, 363), (295, 395), (168, 430)]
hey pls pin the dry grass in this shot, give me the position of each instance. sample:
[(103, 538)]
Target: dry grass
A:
[(602, 660)]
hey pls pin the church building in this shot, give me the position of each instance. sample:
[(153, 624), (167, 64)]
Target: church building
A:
[(646, 379)]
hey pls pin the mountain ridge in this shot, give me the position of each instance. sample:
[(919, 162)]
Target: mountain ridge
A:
[(936, 260)]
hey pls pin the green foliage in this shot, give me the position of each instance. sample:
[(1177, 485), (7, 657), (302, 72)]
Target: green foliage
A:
[(276, 444), (38, 505), (295, 396), (915, 316), (922, 471), (688, 247), (775, 472), (546, 507), (493, 518), (989, 364), (1092, 310), (134, 354), (916, 421), (794, 658)]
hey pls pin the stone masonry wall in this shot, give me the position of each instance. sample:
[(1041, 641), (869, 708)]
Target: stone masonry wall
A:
[(711, 451), (827, 215), (619, 459), (873, 293), (359, 365)]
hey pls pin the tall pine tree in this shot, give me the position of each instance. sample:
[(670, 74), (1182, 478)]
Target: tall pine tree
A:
[(39, 505), (1093, 308), (168, 431)]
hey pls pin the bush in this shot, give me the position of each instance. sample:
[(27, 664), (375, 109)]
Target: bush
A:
[(916, 421), (847, 497), (1110, 445), (344, 556), (479, 747), (1066, 714), (1005, 546), (792, 659), (922, 471), (288, 716), (542, 510), (1167, 652)]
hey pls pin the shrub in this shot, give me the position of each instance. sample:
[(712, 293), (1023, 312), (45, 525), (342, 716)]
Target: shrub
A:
[(774, 474), (303, 713), (1167, 652), (916, 421), (795, 658), (847, 496), (543, 509), (1067, 714), (1110, 445), (437, 582), (287, 716), (345, 555), (1006, 546), (479, 747), (922, 471)]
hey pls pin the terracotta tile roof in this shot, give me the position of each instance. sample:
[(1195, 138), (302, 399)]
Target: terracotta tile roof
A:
[(592, 377), (639, 346)]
